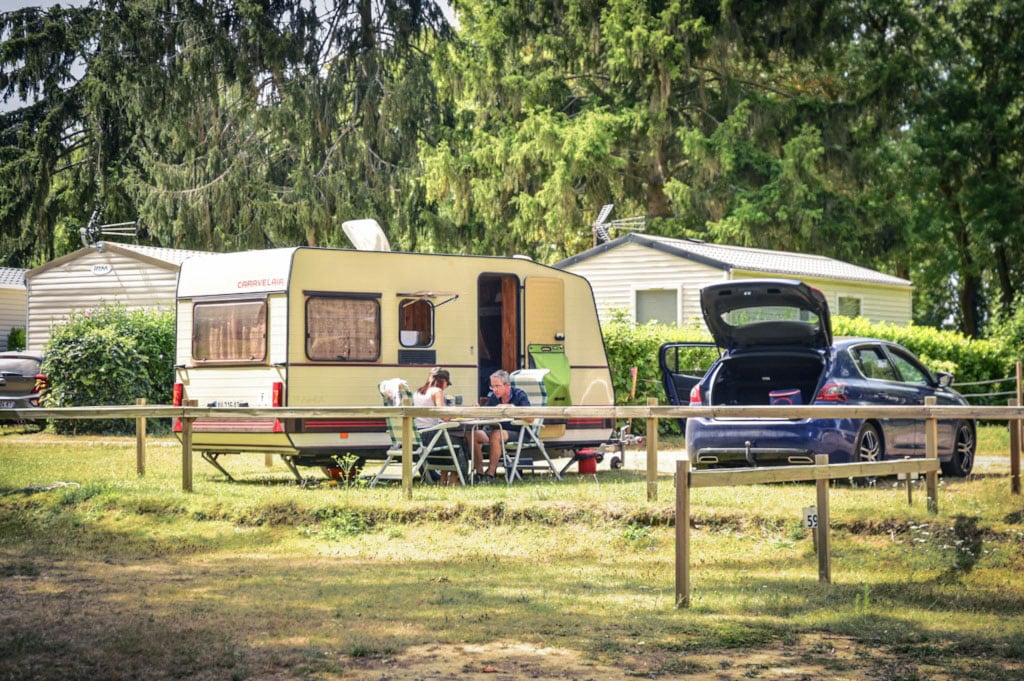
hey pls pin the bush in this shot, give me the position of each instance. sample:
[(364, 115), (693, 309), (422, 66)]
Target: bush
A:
[(109, 356), (1008, 329), (637, 346), (16, 339)]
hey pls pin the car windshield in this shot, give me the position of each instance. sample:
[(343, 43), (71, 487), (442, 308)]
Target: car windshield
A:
[(771, 313)]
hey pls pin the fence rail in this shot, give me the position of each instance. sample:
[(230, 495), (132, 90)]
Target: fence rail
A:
[(652, 413)]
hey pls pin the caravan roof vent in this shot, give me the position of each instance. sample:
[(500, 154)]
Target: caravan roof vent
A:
[(366, 235)]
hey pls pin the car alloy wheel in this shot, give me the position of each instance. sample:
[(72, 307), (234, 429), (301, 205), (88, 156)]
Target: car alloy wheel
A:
[(961, 462), (868, 449)]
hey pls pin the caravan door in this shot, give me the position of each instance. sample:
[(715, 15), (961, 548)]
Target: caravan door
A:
[(544, 329), (545, 311), (497, 326)]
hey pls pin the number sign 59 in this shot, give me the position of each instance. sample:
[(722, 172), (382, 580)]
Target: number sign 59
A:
[(811, 517)]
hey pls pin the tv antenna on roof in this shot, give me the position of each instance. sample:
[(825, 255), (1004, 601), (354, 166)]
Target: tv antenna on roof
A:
[(602, 226), (92, 232)]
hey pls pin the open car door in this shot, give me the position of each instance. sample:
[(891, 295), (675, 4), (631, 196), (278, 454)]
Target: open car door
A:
[(682, 366)]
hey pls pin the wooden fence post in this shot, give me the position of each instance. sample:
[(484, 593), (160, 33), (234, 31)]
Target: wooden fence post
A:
[(683, 532), (406, 456), (652, 453), (931, 451), (140, 440), (824, 542), (1015, 437), (186, 448), (910, 486)]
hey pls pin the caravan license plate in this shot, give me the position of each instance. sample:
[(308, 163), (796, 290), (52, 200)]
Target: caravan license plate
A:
[(6, 404)]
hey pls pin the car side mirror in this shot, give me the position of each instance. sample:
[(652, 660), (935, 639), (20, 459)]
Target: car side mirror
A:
[(945, 379)]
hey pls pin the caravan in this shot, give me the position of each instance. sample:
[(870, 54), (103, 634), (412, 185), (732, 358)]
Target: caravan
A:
[(312, 327)]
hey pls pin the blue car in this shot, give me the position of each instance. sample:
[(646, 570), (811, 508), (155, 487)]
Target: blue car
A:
[(776, 345)]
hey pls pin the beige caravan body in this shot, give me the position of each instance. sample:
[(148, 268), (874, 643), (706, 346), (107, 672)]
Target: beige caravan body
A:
[(313, 327)]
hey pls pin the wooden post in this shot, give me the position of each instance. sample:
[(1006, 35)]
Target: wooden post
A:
[(268, 460), (931, 451), (1015, 442), (910, 486), (652, 453), (186, 448), (683, 532), (1016, 427), (824, 544), (407, 456), (140, 440)]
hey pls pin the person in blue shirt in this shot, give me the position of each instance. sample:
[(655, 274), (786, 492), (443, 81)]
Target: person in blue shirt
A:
[(502, 393)]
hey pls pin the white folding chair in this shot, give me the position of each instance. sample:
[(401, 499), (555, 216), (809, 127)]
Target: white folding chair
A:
[(438, 453), (530, 381)]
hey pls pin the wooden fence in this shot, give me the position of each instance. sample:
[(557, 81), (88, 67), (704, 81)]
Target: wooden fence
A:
[(652, 413)]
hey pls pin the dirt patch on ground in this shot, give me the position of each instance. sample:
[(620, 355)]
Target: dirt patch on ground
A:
[(807, 657)]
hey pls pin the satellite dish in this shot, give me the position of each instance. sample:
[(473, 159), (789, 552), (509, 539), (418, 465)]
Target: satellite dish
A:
[(366, 235)]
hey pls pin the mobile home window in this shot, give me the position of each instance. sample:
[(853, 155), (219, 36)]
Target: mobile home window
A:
[(657, 305), (341, 327), (229, 332), (848, 306), (415, 323)]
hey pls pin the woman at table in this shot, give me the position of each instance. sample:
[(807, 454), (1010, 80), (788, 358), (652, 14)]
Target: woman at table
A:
[(502, 393), (431, 394)]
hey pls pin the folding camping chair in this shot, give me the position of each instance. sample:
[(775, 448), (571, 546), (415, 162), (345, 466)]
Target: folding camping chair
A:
[(438, 453), (530, 381)]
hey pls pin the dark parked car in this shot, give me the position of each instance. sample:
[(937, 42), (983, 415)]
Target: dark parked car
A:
[(21, 381), (776, 344)]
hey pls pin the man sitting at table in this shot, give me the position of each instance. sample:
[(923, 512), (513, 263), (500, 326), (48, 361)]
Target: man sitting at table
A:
[(502, 393)]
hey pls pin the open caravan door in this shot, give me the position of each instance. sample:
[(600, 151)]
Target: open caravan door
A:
[(545, 343)]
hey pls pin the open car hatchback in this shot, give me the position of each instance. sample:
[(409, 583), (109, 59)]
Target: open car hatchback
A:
[(777, 348)]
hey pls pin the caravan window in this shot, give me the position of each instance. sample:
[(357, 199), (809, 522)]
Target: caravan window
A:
[(343, 327), (229, 332), (416, 323)]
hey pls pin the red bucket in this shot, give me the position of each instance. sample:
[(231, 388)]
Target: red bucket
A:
[(586, 462)]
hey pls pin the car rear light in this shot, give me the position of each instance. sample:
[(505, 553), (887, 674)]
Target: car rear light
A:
[(42, 383), (832, 392), (695, 397), (277, 400)]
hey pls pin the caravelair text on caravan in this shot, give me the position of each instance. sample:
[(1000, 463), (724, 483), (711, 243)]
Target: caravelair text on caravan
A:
[(311, 327)]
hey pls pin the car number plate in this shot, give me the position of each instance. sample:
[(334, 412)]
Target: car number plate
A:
[(6, 404)]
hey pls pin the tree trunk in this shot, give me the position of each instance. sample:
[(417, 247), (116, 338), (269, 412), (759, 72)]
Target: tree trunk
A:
[(969, 284)]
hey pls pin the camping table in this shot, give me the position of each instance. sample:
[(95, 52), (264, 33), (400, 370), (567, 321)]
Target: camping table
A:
[(474, 425)]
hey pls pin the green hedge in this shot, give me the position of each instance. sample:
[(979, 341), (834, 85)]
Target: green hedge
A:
[(109, 356)]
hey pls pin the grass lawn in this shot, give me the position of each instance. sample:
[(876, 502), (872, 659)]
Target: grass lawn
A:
[(121, 577)]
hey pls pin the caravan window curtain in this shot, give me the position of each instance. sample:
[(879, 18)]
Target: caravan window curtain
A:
[(229, 332), (343, 328)]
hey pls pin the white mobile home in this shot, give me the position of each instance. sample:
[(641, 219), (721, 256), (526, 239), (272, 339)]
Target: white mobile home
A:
[(135, 276), (656, 278), (12, 302), (314, 327)]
